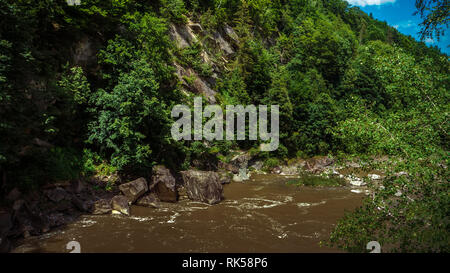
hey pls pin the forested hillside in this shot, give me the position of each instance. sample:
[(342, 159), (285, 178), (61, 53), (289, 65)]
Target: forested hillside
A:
[(89, 88)]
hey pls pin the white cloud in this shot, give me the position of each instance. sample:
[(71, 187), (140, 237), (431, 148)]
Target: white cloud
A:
[(429, 41), (364, 3)]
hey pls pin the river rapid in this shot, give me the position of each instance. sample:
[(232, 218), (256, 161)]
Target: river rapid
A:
[(264, 214)]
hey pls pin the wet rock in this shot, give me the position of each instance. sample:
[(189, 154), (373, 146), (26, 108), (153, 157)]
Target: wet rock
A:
[(13, 195), (164, 184), (203, 186), (242, 176), (356, 181), (149, 200), (224, 177), (237, 178), (120, 203), (56, 195), (134, 189), (102, 206), (318, 164)]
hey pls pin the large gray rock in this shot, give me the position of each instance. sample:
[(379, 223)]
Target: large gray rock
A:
[(102, 206), (164, 184), (134, 189), (120, 203), (203, 186), (149, 200)]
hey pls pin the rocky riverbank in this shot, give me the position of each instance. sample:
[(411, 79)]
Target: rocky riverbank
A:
[(57, 204)]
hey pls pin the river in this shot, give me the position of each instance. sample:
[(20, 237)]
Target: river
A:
[(263, 214)]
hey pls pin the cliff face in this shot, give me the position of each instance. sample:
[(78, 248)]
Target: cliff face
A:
[(220, 43)]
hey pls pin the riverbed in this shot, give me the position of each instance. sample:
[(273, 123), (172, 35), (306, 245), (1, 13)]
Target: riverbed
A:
[(264, 214)]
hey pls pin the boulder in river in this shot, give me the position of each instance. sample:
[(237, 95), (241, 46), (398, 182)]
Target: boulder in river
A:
[(134, 189), (164, 184), (102, 206), (149, 200), (203, 186), (120, 203)]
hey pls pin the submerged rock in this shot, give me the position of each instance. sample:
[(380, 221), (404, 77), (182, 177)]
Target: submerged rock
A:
[(134, 189), (120, 203), (164, 184), (203, 186)]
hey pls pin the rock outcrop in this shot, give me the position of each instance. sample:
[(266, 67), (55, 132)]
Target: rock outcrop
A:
[(204, 186)]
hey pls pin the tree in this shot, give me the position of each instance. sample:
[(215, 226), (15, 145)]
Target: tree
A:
[(436, 17)]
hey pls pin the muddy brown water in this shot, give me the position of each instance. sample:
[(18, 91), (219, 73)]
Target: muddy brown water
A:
[(263, 214)]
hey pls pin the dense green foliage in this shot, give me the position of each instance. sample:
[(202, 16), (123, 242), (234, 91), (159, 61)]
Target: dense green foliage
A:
[(346, 84)]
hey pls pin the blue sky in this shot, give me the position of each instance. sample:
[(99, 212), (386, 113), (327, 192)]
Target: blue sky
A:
[(399, 14)]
